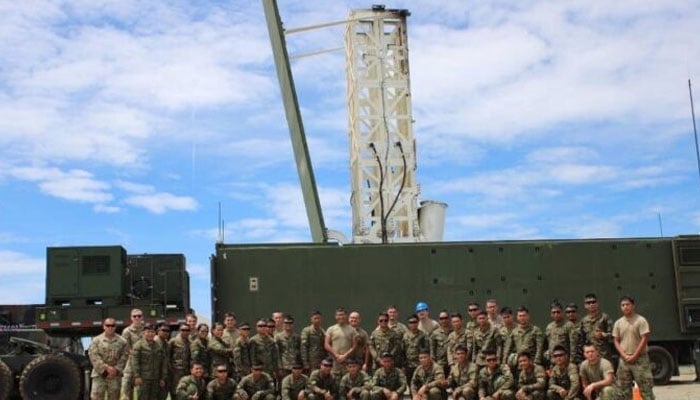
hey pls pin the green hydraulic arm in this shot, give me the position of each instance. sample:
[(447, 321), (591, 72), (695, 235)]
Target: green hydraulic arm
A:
[(296, 127)]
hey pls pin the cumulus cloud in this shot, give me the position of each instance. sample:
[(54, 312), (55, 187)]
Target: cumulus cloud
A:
[(159, 203)]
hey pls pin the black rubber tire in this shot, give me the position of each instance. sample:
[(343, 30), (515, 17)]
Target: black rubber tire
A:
[(50, 377), (6, 381), (662, 365)]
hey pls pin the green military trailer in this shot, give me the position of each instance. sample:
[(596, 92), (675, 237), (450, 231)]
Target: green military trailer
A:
[(41, 352), (662, 274)]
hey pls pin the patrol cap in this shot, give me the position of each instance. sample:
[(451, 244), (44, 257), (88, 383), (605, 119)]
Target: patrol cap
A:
[(421, 306), (386, 354), (297, 365), (327, 362), (353, 361), (149, 327), (244, 325)]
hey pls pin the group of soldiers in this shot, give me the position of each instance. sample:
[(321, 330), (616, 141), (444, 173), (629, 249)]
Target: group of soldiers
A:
[(491, 356)]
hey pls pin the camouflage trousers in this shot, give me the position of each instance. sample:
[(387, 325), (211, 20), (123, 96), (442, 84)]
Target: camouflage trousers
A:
[(127, 389), (504, 395), (464, 392), (149, 390), (102, 386), (640, 372)]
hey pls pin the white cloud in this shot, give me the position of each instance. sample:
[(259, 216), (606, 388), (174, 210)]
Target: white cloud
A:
[(13, 263), (74, 185), (159, 203)]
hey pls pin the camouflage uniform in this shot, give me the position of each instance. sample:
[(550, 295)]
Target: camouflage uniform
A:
[(261, 389), (221, 391), (199, 352), (566, 379), (630, 332), (455, 339), (230, 336), (219, 353), (529, 338), (432, 378), (561, 333), (462, 380), (438, 346), (602, 323), (384, 341), (579, 337), (319, 384), (398, 328), (264, 350), (150, 364), (393, 380), (104, 352), (499, 381), (241, 357), (289, 350), (488, 339), (361, 352), (506, 334), (358, 387), (533, 382), (312, 350), (132, 334), (291, 387), (412, 343), (188, 386), (179, 351)]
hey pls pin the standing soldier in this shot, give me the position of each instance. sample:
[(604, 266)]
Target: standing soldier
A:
[(384, 340), (597, 326), (413, 341), (438, 340), (263, 350), (457, 337), (322, 384), (162, 338), (221, 387), (360, 343), (428, 381), (198, 348), (571, 312), (388, 382), (132, 333), (108, 354), (191, 321), (425, 323), (179, 350), (526, 337), (340, 340), (241, 352), (192, 386), (294, 384), (149, 365), (532, 379), (257, 385), (462, 378), (219, 352), (278, 318), (493, 313), (230, 330), (473, 309), (485, 337), (495, 380), (312, 343), (288, 346), (564, 383), (393, 312), (356, 384), (506, 331), (559, 332), (631, 335)]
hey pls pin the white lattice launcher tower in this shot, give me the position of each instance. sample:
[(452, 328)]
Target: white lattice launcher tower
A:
[(382, 147)]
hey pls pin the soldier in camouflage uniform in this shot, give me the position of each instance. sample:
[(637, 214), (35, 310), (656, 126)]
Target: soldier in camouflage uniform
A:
[(384, 340), (221, 387), (230, 330), (462, 377), (532, 379), (413, 340), (457, 337), (191, 321), (493, 313), (559, 332), (149, 365), (473, 310), (495, 381), (219, 352), (485, 337), (388, 382), (356, 384), (597, 326), (631, 335), (394, 323), (162, 338), (294, 384), (360, 349), (526, 337), (322, 384), (132, 333), (257, 385), (288, 346), (263, 349), (438, 340), (571, 312), (199, 348), (108, 354), (564, 382), (312, 340), (241, 352), (179, 350), (428, 381), (192, 386)]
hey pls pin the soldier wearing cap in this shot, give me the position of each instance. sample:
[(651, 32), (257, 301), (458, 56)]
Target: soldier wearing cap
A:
[(149, 365), (219, 351), (388, 382), (108, 354), (462, 378), (222, 387), (428, 381), (192, 386), (257, 385), (294, 384), (413, 341), (179, 350), (241, 351), (312, 343), (288, 345), (355, 384), (322, 384)]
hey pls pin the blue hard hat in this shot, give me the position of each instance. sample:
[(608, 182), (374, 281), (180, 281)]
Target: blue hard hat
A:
[(421, 306)]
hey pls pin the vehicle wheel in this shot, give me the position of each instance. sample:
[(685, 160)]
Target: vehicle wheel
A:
[(50, 377), (5, 381), (662, 364)]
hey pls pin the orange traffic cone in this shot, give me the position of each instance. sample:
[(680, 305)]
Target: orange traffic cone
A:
[(636, 393)]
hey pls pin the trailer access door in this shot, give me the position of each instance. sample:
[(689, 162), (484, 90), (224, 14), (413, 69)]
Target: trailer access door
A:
[(686, 264)]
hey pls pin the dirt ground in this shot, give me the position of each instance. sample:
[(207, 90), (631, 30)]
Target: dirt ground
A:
[(682, 387)]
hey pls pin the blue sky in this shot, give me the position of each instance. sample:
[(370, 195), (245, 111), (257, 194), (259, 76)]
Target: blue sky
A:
[(128, 122)]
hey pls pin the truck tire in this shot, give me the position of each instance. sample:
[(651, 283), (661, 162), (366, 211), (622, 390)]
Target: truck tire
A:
[(50, 377), (5, 381), (662, 365)]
